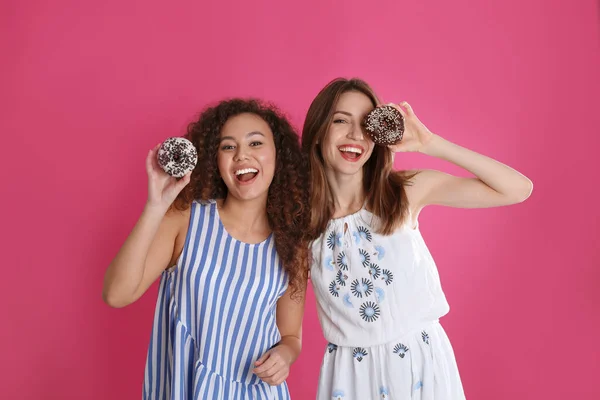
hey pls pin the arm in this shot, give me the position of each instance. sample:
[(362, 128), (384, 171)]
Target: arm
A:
[(147, 252), (494, 184), (149, 248), (274, 366)]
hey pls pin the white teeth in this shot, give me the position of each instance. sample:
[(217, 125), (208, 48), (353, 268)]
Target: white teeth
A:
[(351, 150), (246, 171)]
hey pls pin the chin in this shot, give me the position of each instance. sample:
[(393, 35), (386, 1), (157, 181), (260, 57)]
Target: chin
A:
[(348, 169), (250, 196)]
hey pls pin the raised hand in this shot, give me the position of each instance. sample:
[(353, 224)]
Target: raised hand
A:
[(416, 135), (162, 188)]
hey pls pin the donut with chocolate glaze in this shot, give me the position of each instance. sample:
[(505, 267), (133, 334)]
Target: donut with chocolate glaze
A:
[(177, 156), (385, 125)]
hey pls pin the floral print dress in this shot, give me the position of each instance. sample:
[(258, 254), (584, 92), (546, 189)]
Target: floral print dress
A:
[(379, 300)]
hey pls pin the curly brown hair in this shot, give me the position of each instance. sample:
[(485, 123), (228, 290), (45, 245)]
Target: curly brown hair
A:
[(287, 200)]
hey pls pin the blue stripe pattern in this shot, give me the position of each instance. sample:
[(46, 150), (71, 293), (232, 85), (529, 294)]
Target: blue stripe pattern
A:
[(215, 316)]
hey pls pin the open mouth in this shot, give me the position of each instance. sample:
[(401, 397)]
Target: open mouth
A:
[(351, 153), (246, 175)]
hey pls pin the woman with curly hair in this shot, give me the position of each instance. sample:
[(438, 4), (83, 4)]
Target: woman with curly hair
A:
[(378, 292), (228, 241)]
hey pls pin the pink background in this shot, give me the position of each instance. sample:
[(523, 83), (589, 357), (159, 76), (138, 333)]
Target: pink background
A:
[(87, 89)]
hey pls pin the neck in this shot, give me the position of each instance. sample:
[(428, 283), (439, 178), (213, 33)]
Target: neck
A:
[(248, 215), (347, 191)]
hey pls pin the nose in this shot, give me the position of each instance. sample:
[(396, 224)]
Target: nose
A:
[(240, 154), (356, 132)]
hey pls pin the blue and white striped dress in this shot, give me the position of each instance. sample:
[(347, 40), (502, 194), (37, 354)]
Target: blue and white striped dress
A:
[(215, 316)]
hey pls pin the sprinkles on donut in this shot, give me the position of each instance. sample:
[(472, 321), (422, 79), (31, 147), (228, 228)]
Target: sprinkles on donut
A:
[(177, 156), (385, 125)]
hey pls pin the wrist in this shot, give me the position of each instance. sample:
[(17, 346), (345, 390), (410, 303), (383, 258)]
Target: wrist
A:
[(433, 146), (288, 352), (154, 210)]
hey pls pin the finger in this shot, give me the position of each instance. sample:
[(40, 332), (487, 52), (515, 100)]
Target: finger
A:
[(154, 157), (267, 372), (262, 358), (274, 370), (149, 161), (183, 182), (265, 366), (278, 378), (155, 149), (407, 107), (268, 369), (397, 107)]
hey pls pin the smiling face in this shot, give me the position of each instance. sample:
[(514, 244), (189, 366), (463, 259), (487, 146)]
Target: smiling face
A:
[(246, 157), (346, 147)]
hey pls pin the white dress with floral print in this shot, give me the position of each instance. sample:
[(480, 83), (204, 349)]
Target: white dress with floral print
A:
[(379, 300)]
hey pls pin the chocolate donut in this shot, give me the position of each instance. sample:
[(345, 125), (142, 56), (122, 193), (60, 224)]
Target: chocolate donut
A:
[(385, 125), (177, 156)]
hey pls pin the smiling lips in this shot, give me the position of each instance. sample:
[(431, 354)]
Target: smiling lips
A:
[(246, 176), (352, 152)]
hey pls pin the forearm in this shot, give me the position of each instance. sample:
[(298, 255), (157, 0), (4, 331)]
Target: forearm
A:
[(292, 345), (500, 177)]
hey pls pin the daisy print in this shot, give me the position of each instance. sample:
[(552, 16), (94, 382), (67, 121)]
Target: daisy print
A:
[(400, 349), (359, 353), (342, 261), (361, 288), (328, 263), (379, 252), (364, 233), (348, 301), (369, 311), (365, 258), (334, 289), (334, 239), (374, 271), (341, 278), (384, 393), (387, 276)]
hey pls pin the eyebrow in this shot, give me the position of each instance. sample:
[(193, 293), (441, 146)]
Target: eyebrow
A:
[(249, 134), (343, 112)]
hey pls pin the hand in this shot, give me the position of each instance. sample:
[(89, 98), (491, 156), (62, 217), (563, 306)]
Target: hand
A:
[(416, 135), (162, 188), (274, 366)]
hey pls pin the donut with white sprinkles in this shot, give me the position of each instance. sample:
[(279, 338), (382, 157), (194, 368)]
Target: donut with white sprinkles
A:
[(385, 125), (177, 156)]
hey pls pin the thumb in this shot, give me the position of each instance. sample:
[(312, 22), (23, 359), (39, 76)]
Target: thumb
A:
[(183, 182)]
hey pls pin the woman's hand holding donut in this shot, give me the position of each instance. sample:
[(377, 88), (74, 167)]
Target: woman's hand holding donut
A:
[(162, 188), (416, 135)]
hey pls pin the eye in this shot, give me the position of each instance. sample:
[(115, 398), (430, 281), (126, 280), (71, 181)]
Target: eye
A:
[(255, 143), (227, 147), (339, 121)]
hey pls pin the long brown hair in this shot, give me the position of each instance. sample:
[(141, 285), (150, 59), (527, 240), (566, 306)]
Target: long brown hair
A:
[(287, 200), (383, 187)]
